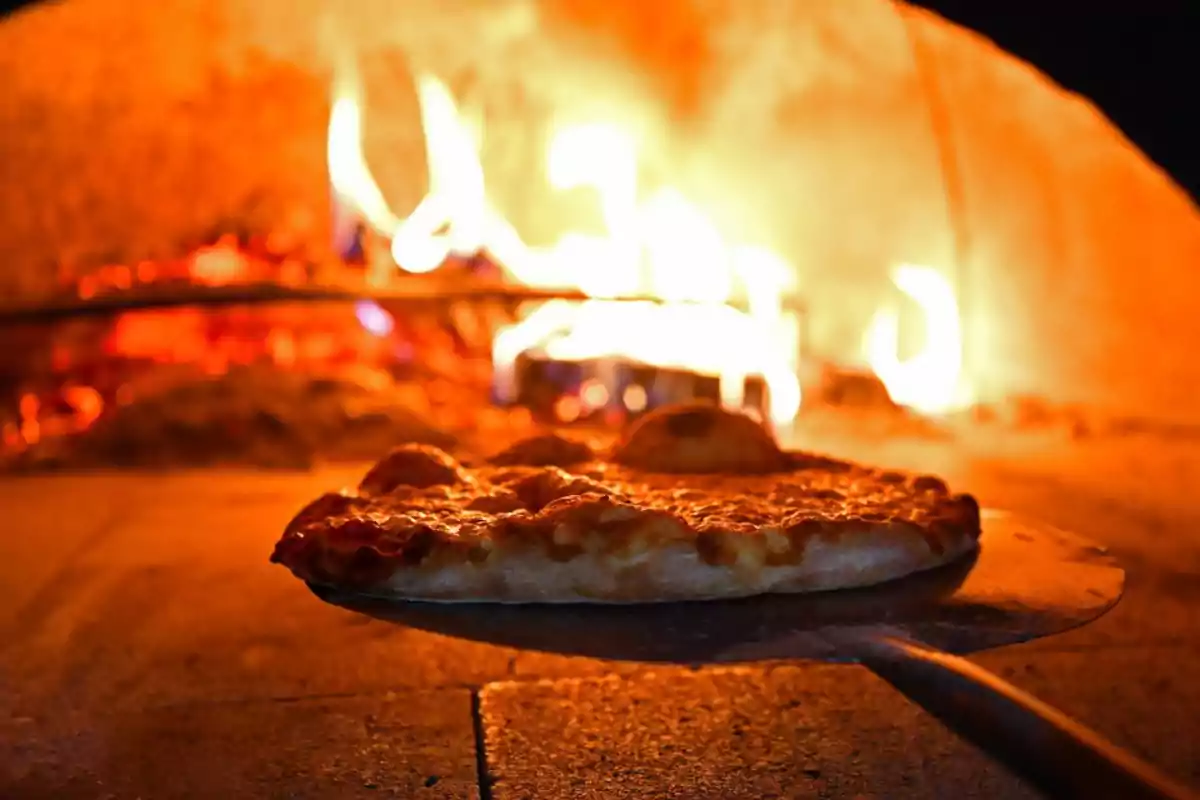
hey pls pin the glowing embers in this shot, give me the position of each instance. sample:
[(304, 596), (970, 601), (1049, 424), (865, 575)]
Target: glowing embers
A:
[(73, 410), (228, 260)]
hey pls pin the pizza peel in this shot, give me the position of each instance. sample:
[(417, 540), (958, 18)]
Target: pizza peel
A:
[(1028, 580)]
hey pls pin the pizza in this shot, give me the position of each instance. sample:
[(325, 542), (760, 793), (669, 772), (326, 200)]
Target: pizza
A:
[(693, 503)]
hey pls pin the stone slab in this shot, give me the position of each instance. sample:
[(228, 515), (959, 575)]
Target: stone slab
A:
[(143, 636), (810, 730), (418, 745), (175, 601)]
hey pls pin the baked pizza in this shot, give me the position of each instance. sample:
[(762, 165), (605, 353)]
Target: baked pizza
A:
[(693, 503)]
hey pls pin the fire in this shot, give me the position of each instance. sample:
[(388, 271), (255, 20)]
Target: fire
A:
[(663, 247), (457, 199), (928, 381), (717, 306), (604, 158), (353, 185)]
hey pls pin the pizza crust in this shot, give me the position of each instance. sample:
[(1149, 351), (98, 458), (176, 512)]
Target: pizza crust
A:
[(672, 574), (699, 438), (522, 529)]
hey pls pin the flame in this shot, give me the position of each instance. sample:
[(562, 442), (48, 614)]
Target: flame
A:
[(353, 184), (930, 380), (604, 158), (457, 200), (661, 246), (357, 197)]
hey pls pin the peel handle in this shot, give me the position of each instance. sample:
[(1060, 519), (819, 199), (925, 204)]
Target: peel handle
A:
[(1038, 743)]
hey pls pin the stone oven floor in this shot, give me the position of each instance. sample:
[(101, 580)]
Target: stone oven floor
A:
[(148, 650)]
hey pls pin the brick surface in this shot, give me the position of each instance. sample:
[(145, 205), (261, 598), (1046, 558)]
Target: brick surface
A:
[(147, 649), (1139, 697), (176, 602), (730, 733), (811, 730), (418, 745)]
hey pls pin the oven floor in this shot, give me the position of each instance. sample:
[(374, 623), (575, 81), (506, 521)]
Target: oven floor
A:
[(148, 650)]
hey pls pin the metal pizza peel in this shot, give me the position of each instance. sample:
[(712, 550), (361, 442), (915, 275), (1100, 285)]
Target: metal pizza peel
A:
[(1028, 580)]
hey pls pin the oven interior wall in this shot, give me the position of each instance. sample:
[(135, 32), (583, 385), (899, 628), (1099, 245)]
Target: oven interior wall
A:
[(1083, 280), (137, 129)]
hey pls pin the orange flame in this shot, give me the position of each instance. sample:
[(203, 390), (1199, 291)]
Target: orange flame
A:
[(457, 200), (661, 246), (664, 247), (930, 380), (349, 174)]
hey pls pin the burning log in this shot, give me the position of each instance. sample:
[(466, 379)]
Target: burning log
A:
[(613, 392)]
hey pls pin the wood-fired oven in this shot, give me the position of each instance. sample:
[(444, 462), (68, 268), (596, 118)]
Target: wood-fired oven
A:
[(240, 234)]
